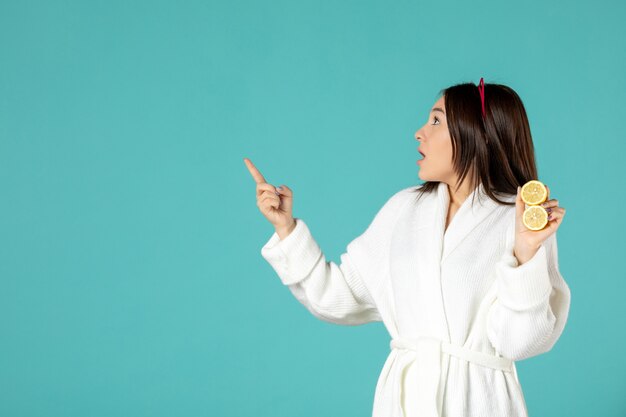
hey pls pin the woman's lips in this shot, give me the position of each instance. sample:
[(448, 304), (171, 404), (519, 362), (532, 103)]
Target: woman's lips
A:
[(423, 157)]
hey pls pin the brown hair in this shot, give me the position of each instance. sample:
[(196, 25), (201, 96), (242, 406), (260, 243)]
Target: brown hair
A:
[(500, 147)]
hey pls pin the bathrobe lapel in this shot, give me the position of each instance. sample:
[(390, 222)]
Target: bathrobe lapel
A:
[(417, 252), (469, 215), (414, 270)]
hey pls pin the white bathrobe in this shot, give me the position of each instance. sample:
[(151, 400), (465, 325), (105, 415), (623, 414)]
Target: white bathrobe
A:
[(456, 303)]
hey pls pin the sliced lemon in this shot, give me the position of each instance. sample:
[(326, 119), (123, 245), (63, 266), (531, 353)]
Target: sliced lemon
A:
[(534, 192), (535, 218)]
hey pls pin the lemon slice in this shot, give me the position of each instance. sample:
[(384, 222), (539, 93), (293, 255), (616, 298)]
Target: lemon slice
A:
[(535, 218), (534, 193)]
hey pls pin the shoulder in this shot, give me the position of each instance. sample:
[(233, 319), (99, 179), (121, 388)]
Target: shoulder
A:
[(377, 234), (407, 191), (400, 198), (393, 205)]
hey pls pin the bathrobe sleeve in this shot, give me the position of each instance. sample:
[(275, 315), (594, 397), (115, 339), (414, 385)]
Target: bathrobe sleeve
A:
[(532, 303), (343, 293)]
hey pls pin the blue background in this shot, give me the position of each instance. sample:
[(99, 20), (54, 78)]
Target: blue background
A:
[(132, 282)]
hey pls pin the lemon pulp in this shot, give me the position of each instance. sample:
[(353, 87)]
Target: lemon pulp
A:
[(534, 192), (535, 217)]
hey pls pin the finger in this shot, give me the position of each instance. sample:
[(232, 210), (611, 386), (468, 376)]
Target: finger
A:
[(270, 199), (550, 203), (256, 174), (268, 193), (555, 218), (552, 210), (557, 212), (285, 191), (263, 187)]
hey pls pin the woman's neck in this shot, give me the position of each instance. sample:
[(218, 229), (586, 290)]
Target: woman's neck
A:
[(459, 196)]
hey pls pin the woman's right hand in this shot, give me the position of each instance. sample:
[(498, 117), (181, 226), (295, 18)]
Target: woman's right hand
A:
[(275, 204)]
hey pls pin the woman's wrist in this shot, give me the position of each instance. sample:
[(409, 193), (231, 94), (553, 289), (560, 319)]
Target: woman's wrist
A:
[(283, 232)]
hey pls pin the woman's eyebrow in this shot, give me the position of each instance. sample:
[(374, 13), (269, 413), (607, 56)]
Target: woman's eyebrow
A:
[(437, 109)]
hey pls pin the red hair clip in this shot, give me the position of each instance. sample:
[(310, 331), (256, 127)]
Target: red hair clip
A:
[(481, 90)]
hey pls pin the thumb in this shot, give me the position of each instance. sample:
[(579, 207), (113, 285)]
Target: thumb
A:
[(284, 191), (520, 206), (286, 198)]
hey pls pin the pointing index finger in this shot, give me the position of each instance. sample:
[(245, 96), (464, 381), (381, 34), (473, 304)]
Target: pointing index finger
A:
[(256, 174)]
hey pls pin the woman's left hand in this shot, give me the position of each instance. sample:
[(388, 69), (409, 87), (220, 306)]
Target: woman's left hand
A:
[(528, 242)]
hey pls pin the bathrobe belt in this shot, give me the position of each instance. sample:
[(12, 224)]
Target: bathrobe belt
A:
[(421, 372)]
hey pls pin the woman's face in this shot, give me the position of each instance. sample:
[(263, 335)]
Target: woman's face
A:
[(436, 145)]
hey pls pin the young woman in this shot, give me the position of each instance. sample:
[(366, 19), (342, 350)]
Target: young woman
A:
[(462, 286)]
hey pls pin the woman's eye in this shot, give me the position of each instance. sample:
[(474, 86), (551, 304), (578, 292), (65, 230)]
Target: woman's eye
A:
[(435, 119)]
